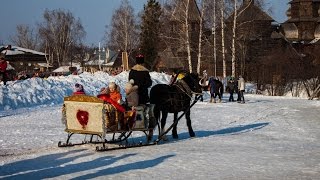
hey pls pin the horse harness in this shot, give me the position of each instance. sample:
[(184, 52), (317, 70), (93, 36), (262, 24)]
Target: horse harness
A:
[(180, 96)]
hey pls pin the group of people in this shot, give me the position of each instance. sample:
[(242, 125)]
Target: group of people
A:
[(136, 89), (238, 87), (215, 87)]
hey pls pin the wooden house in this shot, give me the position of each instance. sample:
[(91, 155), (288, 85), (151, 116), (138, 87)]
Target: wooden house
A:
[(22, 59), (172, 53)]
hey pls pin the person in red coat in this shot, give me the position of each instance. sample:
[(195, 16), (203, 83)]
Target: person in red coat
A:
[(3, 69)]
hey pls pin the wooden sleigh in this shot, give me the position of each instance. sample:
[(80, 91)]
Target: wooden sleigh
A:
[(88, 115)]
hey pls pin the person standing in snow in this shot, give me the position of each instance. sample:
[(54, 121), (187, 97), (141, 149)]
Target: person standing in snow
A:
[(230, 88), (216, 89), (241, 88), (141, 78), (3, 69)]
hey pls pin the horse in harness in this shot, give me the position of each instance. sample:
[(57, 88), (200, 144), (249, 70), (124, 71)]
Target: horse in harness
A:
[(175, 98)]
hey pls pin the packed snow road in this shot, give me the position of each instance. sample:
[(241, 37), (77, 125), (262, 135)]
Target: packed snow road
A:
[(265, 138)]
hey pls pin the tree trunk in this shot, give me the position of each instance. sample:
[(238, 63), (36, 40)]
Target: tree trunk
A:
[(214, 39), (222, 41), (187, 36), (233, 58), (200, 37)]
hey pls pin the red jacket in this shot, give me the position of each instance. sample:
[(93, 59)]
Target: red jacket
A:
[(79, 93), (106, 98), (3, 66)]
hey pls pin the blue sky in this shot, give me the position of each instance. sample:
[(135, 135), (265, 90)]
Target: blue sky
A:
[(94, 14)]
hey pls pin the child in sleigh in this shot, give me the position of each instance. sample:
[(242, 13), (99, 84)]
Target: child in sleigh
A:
[(125, 112)]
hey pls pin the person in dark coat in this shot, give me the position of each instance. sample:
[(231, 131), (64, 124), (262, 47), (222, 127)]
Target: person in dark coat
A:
[(216, 89), (141, 78), (230, 88), (237, 90)]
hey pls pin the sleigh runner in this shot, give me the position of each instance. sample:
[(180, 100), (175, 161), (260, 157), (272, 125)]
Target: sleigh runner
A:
[(82, 114)]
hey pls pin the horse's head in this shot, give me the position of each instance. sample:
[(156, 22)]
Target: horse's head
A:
[(192, 80)]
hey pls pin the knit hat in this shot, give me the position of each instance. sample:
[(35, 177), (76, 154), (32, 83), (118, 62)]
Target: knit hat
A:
[(139, 59), (129, 85), (78, 87), (112, 85)]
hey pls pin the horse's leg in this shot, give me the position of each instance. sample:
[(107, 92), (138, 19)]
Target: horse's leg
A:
[(191, 132), (163, 119), (174, 129), (163, 124)]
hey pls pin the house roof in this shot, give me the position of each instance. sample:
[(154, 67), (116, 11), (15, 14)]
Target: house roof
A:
[(169, 60), (106, 60), (65, 69), (15, 50), (179, 11), (118, 60), (250, 12), (290, 30)]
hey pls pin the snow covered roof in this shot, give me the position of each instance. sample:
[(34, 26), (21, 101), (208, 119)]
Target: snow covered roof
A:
[(44, 65), (111, 59), (65, 69), (15, 50)]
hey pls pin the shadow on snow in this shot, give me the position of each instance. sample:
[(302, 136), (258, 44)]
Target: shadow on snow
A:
[(54, 165), (226, 131)]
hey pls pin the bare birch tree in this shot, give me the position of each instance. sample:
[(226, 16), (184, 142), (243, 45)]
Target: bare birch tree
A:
[(59, 32), (233, 49), (182, 21), (203, 9), (25, 37), (187, 38), (214, 38), (222, 11), (123, 33)]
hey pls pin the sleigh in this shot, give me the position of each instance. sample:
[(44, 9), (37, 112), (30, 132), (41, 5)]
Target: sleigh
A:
[(88, 115)]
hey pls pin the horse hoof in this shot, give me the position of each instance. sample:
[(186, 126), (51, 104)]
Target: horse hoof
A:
[(175, 136), (149, 138), (192, 134), (165, 138)]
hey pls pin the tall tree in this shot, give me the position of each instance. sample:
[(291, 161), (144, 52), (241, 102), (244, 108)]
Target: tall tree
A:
[(123, 32), (224, 66), (203, 9), (150, 31), (59, 32), (25, 37)]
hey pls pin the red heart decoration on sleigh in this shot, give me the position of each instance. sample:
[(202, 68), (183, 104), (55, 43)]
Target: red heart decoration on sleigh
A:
[(83, 118)]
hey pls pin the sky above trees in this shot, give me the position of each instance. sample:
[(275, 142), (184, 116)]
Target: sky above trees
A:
[(94, 15)]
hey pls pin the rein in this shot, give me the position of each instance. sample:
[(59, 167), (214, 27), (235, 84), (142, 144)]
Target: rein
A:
[(183, 86)]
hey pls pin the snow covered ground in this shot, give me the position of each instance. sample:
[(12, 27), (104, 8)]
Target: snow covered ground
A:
[(265, 138)]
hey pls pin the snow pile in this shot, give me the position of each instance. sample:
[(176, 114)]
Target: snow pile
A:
[(37, 91)]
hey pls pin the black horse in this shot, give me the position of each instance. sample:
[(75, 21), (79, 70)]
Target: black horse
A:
[(175, 98)]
